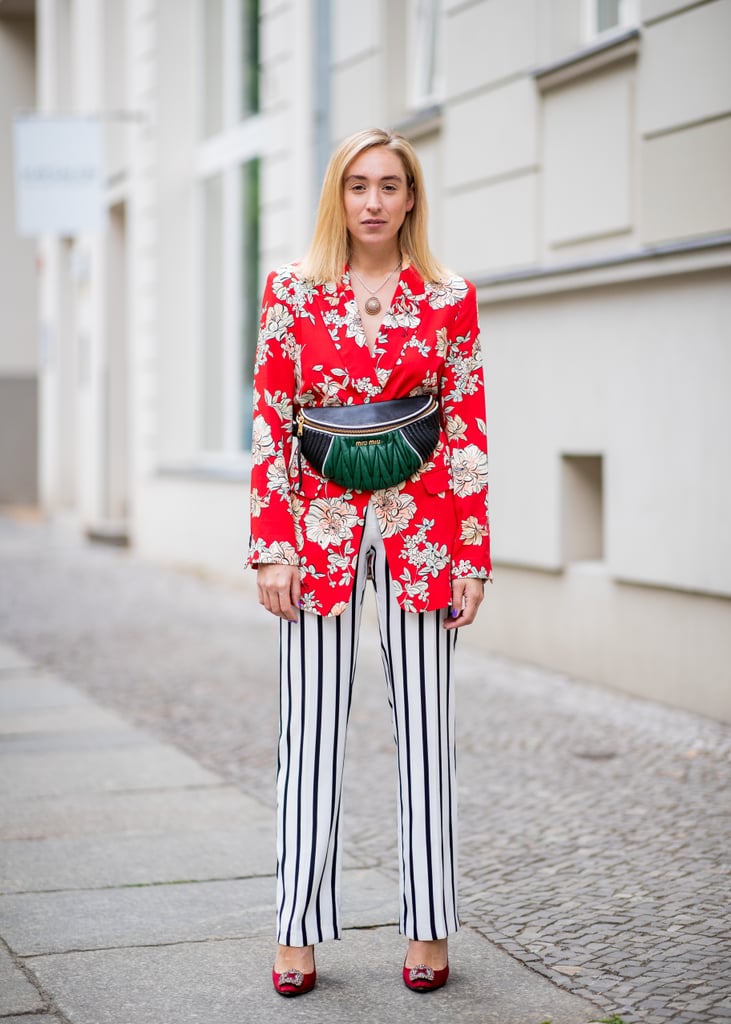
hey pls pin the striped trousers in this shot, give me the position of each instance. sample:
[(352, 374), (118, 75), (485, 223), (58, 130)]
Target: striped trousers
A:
[(317, 669)]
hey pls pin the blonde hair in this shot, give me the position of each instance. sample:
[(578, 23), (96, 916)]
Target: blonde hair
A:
[(330, 247)]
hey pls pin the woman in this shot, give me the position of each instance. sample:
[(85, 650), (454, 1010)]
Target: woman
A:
[(368, 316)]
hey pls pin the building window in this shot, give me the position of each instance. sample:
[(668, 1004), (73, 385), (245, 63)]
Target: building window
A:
[(250, 292), (230, 35), (602, 16), (582, 512), (423, 37), (228, 162), (249, 64)]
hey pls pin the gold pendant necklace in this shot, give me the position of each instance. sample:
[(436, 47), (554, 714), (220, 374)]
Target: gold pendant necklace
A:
[(372, 305)]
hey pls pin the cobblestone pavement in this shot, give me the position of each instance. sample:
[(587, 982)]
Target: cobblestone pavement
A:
[(595, 829)]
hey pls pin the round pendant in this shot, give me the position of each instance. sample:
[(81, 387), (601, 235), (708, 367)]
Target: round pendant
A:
[(373, 306)]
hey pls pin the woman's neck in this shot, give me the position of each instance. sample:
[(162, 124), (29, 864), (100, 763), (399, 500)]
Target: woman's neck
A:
[(375, 262)]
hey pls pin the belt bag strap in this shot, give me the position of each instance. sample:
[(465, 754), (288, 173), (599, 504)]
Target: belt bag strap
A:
[(372, 446)]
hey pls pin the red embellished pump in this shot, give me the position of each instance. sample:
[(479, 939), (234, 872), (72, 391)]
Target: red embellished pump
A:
[(425, 979), (293, 983)]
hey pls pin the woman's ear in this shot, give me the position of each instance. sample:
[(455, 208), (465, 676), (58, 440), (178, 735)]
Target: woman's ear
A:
[(410, 201)]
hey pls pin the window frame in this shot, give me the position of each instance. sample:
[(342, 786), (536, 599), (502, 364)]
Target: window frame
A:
[(424, 35), (628, 17), (225, 153)]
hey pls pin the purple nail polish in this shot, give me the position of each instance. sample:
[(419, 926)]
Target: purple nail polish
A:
[(300, 603), (455, 613)]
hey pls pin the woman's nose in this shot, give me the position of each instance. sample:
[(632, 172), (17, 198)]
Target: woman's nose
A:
[(373, 199)]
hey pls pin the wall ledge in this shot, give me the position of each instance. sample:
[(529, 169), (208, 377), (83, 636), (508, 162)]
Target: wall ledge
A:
[(618, 47), (664, 260), (421, 122)]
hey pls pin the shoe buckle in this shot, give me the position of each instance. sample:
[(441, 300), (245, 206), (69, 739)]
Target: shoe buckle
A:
[(421, 973), (294, 978)]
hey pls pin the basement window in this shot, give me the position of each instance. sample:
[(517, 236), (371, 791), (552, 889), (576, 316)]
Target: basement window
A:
[(582, 518)]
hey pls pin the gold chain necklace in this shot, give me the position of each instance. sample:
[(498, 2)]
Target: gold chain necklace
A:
[(372, 305)]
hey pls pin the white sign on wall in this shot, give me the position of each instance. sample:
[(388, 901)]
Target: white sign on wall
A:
[(59, 175)]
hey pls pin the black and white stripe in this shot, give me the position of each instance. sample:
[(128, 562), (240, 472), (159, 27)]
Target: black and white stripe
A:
[(317, 669)]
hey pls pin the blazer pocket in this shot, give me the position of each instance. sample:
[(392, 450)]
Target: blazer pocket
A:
[(436, 481)]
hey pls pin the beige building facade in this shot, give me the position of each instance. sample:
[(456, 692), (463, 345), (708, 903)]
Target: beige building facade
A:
[(578, 158)]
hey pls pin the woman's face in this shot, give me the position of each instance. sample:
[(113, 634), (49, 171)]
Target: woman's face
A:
[(376, 196)]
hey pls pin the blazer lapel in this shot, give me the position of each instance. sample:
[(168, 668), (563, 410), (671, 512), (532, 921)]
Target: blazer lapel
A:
[(339, 313), (400, 322)]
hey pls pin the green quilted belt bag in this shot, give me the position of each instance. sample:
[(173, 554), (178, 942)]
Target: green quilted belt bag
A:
[(368, 447)]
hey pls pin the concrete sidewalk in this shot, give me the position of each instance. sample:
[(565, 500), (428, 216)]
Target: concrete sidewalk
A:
[(137, 887), (137, 761)]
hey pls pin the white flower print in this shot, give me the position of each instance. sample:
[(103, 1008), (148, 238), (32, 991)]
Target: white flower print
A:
[(422, 347), (402, 314), (473, 531), (464, 570), (303, 293), (428, 385), (298, 511), (329, 391), (469, 470), (446, 293), (353, 323), (394, 510), (262, 442), (277, 476), (467, 378), (434, 558), (456, 428), (308, 570), (281, 552), (330, 521), (341, 565), (278, 321), (424, 555), (365, 386), (258, 502), (290, 348), (412, 588), (262, 354), (294, 291), (282, 403), (308, 603), (412, 545)]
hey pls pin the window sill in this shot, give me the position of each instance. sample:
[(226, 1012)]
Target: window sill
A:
[(420, 122), (610, 50)]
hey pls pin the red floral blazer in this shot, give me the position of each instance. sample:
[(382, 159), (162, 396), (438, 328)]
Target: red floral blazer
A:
[(312, 351)]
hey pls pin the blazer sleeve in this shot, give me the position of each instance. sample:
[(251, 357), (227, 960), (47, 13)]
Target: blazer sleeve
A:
[(272, 522), (462, 391)]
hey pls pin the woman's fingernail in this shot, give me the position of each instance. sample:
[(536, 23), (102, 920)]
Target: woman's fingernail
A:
[(455, 613), (300, 603)]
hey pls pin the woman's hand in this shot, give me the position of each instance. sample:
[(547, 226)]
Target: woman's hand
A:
[(467, 597), (279, 590)]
